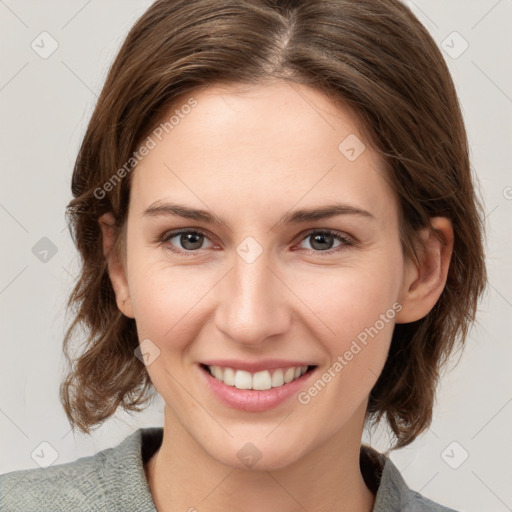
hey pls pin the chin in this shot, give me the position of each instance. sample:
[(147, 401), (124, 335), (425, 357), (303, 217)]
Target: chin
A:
[(252, 456)]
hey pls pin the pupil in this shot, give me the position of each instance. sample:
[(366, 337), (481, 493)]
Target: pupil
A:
[(188, 238), (321, 238)]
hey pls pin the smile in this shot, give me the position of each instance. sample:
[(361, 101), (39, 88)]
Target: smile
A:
[(259, 381), (254, 391)]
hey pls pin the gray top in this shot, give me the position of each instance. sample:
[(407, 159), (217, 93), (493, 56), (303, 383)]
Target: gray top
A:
[(114, 480)]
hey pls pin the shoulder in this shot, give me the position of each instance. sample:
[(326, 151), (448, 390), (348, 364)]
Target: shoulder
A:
[(74, 484), (112, 479), (418, 503), (391, 492)]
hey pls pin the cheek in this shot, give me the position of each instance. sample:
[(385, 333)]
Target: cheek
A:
[(362, 315), (167, 306), (158, 306), (168, 301), (357, 308), (351, 300)]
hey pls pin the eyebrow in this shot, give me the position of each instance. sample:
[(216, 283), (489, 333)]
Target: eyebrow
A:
[(159, 208)]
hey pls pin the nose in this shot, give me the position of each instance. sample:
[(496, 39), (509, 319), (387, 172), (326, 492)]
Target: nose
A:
[(252, 302)]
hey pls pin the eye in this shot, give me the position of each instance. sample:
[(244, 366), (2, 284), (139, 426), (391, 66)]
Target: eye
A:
[(188, 241), (323, 240)]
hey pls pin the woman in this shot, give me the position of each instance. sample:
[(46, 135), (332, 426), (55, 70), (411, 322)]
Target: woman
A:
[(280, 236)]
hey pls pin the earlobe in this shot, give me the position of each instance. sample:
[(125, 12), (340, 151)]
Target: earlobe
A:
[(425, 280), (116, 269)]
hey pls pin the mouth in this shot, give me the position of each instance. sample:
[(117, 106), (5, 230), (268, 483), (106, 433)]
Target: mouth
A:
[(255, 391), (257, 381)]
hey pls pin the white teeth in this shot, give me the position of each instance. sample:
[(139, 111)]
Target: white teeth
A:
[(217, 372), (229, 376), (277, 378), (243, 379), (259, 381), (289, 375)]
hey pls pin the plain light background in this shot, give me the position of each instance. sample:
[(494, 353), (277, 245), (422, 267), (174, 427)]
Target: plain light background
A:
[(463, 461)]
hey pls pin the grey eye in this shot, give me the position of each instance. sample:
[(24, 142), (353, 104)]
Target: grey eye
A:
[(321, 241), (188, 240)]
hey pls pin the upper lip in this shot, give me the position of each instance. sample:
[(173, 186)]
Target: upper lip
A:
[(256, 366)]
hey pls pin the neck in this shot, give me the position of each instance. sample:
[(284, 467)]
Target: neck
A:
[(182, 476)]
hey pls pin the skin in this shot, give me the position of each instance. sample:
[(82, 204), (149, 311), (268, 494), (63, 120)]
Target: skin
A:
[(250, 156)]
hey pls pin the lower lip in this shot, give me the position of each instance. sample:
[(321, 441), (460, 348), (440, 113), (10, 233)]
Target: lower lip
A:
[(253, 400)]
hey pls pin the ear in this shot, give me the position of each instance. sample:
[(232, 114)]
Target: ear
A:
[(116, 269), (424, 282)]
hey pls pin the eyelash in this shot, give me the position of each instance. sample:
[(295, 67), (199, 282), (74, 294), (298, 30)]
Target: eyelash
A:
[(346, 242)]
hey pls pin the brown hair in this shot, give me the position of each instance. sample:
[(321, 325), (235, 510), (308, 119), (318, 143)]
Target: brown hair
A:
[(374, 57)]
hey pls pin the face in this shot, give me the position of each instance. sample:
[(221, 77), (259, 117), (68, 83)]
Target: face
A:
[(255, 286)]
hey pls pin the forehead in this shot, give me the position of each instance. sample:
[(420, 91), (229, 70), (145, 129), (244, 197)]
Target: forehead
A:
[(260, 148)]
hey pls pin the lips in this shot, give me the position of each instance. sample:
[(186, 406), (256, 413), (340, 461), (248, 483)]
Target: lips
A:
[(246, 397)]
